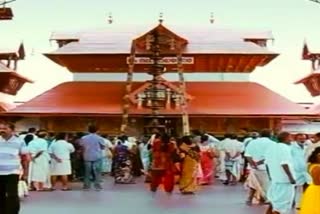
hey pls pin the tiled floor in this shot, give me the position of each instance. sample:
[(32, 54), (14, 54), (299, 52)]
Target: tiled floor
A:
[(136, 199)]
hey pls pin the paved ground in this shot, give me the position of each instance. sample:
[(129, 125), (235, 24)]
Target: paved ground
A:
[(135, 199)]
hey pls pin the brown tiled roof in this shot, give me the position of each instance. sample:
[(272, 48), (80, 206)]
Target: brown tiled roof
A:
[(5, 71), (210, 98), (306, 78)]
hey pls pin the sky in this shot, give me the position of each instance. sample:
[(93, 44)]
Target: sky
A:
[(291, 21)]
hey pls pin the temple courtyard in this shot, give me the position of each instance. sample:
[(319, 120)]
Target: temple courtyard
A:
[(124, 199)]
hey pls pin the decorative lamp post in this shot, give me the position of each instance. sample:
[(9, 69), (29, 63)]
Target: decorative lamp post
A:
[(156, 95)]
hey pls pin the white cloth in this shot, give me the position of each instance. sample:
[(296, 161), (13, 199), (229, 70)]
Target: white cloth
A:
[(277, 155), (281, 196), (40, 168), (257, 148), (62, 150), (299, 163), (145, 156), (247, 140), (232, 164), (259, 181), (232, 147), (212, 140), (129, 144), (107, 157), (62, 168)]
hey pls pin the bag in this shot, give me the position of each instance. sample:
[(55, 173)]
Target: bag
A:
[(22, 189)]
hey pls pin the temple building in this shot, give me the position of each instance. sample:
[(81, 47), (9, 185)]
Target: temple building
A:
[(132, 79), (312, 80), (10, 81)]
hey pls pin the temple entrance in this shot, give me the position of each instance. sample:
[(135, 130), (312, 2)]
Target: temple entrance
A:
[(168, 125)]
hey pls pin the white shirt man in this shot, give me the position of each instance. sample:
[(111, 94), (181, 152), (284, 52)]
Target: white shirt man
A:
[(11, 150), (279, 163), (258, 179), (232, 149)]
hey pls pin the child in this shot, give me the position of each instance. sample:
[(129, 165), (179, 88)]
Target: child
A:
[(311, 198)]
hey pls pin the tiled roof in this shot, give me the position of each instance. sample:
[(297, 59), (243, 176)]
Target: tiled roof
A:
[(4, 70), (216, 47), (208, 39), (210, 98), (306, 78)]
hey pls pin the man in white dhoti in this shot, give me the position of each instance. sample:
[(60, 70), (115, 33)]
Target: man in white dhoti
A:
[(298, 151), (232, 149), (279, 161), (60, 151), (258, 180), (39, 166)]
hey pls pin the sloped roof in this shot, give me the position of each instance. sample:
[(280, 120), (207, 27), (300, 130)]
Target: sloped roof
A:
[(4, 70), (306, 78), (4, 107), (210, 98), (214, 47), (16, 51), (204, 39)]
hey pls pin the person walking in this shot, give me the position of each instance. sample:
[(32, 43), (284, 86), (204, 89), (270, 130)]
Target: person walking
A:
[(279, 162)]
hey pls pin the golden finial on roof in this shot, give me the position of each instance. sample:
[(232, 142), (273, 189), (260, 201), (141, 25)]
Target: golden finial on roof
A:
[(161, 18), (110, 18), (211, 18)]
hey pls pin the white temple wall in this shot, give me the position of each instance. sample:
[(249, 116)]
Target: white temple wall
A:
[(199, 77)]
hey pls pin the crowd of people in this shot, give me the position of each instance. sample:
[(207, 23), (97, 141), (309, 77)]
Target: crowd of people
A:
[(275, 170)]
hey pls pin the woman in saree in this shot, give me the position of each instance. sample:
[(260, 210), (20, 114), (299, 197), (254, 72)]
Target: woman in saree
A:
[(311, 198), (207, 155), (122, 164), (190, 154), (163, 166)]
